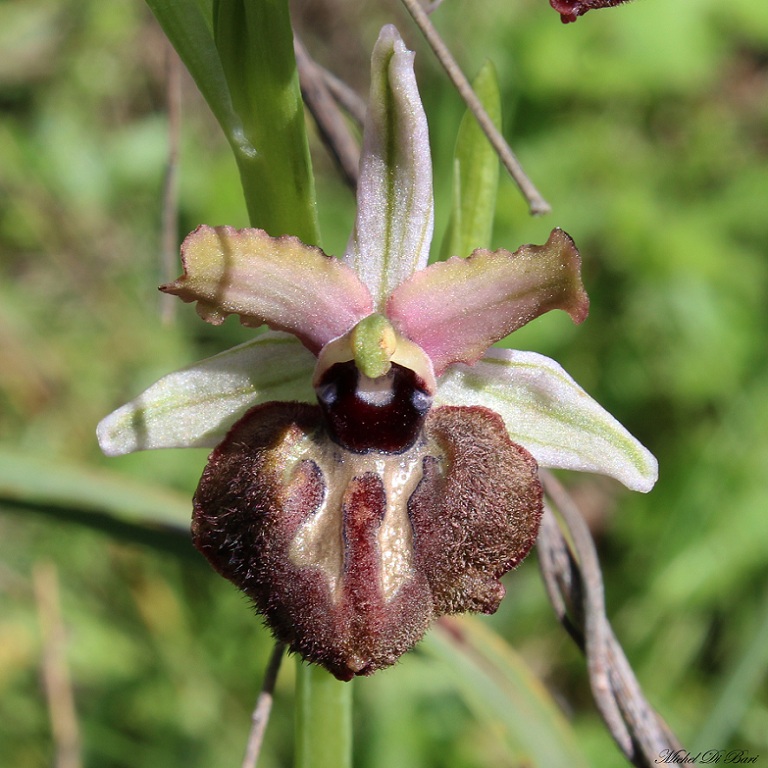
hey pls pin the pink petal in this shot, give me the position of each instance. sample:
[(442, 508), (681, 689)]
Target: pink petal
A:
[(454, 310), (277, 281)]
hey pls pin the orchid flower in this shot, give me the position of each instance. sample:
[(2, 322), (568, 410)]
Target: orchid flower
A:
[(374, 462)]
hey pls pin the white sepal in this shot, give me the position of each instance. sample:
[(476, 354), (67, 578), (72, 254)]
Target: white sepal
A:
[(550, 415), (196, 406)]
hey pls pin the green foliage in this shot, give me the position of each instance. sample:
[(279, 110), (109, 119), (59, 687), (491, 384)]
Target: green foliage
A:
[(644, 126), (241, 57), (475, 175)]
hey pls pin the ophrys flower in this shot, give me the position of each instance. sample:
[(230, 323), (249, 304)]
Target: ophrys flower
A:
[(377, 467)]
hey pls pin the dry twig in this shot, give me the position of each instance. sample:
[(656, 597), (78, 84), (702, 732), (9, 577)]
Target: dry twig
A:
[(170, 213), (574, 583), (331, 124), (260, 716), (347, 98), (537, 204), (56, 679)]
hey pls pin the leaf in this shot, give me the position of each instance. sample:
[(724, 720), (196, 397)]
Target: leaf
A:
[(475, 175), (500, 689), (127, 508), (255, 43), (242, 61), (191, 34)]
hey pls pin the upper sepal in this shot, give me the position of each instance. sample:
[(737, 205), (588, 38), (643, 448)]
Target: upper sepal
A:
[(395, 209), (454, 310), (277, 281)]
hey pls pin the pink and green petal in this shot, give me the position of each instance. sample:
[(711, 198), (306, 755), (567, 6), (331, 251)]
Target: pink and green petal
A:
[(196, 406), (550, 415), (393, 228), (456, 309), (277, 281)]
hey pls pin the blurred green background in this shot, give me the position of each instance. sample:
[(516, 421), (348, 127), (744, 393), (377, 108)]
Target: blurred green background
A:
[(646, 127)]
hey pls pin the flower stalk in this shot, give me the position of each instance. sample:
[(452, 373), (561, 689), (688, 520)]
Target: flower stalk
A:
[(323, 719)]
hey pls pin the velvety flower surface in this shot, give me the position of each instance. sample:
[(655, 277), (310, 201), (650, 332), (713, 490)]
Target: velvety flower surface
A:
[(374, 462)]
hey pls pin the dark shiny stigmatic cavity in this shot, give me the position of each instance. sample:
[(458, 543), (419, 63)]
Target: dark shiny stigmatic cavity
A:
[(361, 414)]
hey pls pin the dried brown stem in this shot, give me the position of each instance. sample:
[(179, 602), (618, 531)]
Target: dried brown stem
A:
[(347, 98), (56, 679), (170, 214), (333, 128), (574, 583), (260, 716), (536, 203)]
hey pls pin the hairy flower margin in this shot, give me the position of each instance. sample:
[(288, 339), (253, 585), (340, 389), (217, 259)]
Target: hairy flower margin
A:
[(375, 463)]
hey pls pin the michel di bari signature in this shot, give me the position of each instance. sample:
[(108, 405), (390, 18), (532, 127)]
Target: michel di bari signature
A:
[(708, 757)]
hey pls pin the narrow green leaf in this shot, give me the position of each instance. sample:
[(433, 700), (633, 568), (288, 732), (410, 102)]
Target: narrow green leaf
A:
[(475, 175), (93, 497), (242, 59), (499, 688), (190, 31), (255, 44)]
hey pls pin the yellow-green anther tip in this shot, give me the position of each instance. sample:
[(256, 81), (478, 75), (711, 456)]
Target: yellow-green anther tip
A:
[(373, 343)]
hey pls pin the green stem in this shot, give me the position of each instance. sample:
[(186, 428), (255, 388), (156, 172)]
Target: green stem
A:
[(323, 719), (255, 42)]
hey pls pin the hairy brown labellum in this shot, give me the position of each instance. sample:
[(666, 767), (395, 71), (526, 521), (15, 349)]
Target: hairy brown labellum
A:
[(349, 555), (570, 10)]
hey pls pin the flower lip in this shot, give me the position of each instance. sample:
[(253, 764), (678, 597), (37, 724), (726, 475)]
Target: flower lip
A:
[(350, 556)]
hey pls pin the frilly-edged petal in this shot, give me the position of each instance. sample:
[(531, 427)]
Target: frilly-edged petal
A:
[(454, 310), (550, 415), (277, 281), (196, 406), (393, 229)]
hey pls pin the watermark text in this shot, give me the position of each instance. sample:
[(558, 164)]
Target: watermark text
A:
[(708, 757)]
